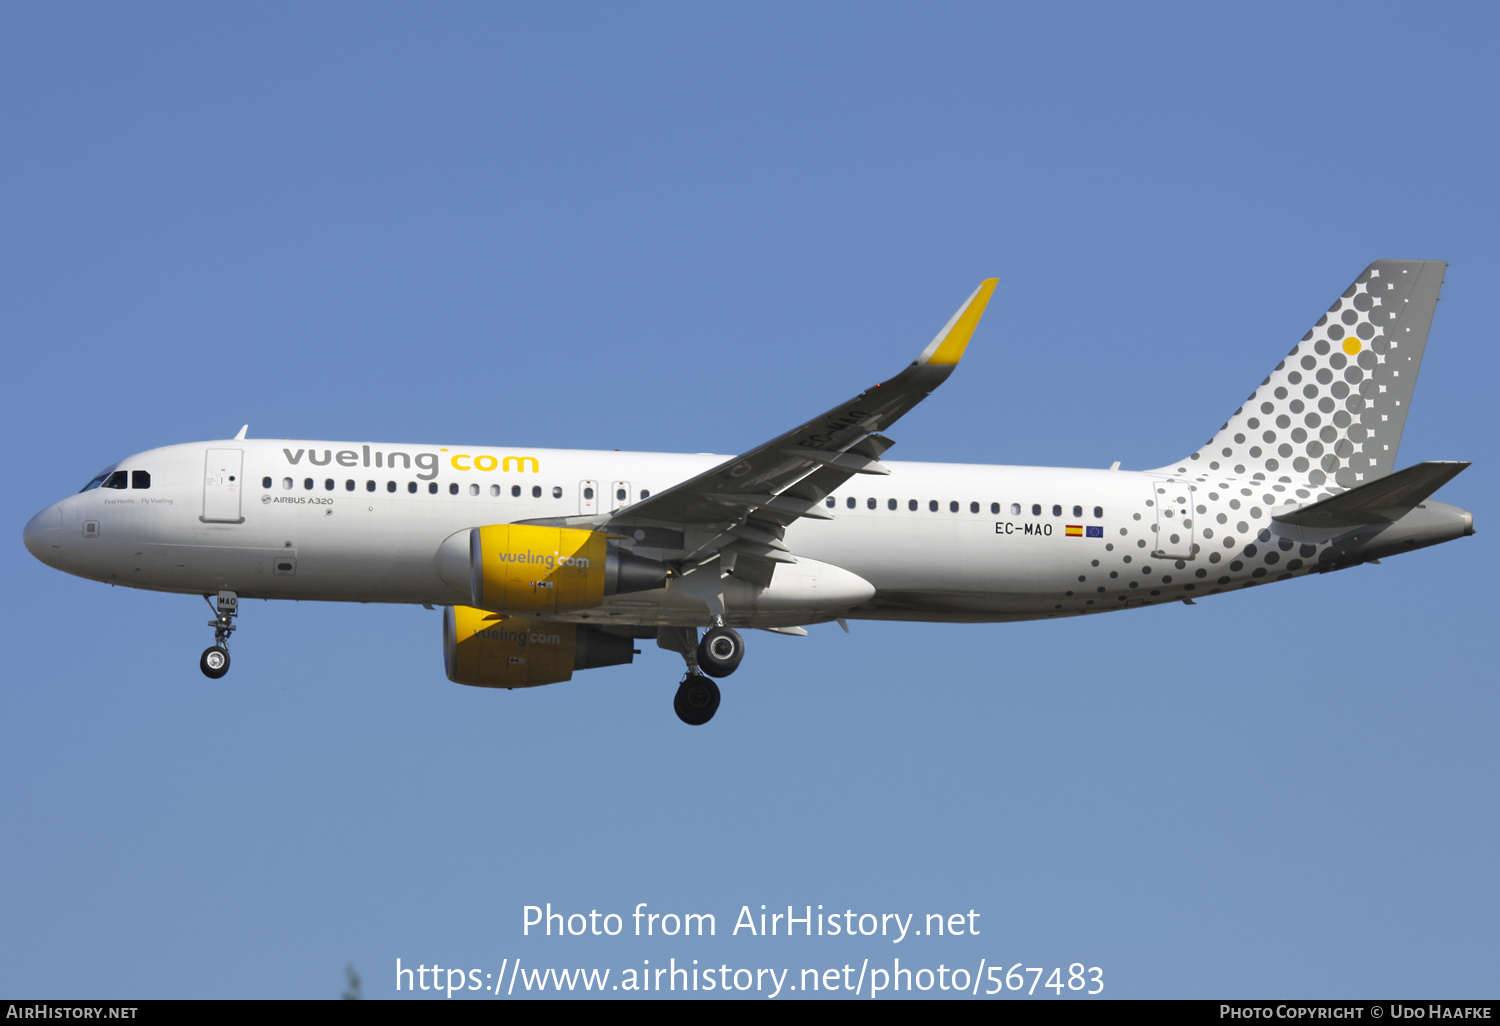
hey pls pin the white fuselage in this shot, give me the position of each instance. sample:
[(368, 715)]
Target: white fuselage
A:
[(357, 522)]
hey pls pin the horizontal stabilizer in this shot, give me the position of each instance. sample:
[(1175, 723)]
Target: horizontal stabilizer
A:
[(1380, 502)]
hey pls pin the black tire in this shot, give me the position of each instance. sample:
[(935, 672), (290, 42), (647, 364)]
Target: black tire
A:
[(720, 652), (214, 662), (696, 701)]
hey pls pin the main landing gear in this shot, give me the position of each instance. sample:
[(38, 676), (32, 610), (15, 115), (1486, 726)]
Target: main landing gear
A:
[(717, 655), (697, 700), (215, 659), (720, 651)]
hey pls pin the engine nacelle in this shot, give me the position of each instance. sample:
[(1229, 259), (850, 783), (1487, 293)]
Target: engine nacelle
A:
[(492, 650), (529, 569)]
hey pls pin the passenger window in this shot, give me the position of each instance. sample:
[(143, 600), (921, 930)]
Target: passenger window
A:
[(912, 505), (828, 502), (453, 488), (973, 507), (473, 489), (1015, 509), (1078, 511), (890, 504), (849, 502), (328, 485), (870, 502), (495, 491), (556, 492), (536, 491), (411, 486), (307, 484), (1098, 512), (515, 491), (349, 486), (620, 495), (588, 493), (1036, 509), (390, 486), (952, 507), (369, 486), (1057, 511), (286, 483), (932, 505), (265, 482), (432, 488), (140, 479), (645, 494)]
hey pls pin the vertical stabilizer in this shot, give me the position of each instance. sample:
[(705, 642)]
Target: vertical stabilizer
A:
[(1331, 414)]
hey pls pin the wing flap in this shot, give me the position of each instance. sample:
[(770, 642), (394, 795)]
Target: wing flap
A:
[(851, 461)]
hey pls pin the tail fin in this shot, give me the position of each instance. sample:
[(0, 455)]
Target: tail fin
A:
[(1331, 414)]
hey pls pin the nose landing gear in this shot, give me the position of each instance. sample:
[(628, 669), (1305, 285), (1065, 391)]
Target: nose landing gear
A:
[(214, 662), (215, 659)]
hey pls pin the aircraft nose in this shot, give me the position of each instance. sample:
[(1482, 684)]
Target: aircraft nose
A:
[(43, 536)]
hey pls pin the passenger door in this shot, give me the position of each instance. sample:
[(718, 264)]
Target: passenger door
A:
[(222, 486), (1174, 519)]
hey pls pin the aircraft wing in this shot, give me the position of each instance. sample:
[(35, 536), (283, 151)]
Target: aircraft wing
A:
[(741, 508)]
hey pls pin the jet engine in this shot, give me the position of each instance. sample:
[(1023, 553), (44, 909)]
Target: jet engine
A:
[(492, 650), (524, 568)]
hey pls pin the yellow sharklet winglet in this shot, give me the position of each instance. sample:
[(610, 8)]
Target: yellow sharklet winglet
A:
[(948, 347)]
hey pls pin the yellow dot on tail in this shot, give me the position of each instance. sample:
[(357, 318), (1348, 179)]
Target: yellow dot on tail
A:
[(1351, 345)]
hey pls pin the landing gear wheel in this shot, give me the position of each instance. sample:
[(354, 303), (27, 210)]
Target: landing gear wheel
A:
[(697, 700), (720, 651), (215, 662), (215, 659)]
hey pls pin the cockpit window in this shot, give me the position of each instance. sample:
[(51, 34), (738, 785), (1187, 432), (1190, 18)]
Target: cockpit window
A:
[(99, 477), (119, 479), (140, 479)]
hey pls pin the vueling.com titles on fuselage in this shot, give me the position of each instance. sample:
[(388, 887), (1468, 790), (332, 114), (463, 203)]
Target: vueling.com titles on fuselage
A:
[(426, 462)]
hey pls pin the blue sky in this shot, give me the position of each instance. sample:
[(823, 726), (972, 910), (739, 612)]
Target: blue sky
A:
[(686, 228)]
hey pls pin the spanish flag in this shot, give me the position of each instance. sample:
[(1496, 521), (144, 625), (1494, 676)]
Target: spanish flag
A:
[(1075, 530)]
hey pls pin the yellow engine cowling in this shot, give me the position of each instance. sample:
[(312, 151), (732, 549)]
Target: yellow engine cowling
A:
[(524, 568), (493, 650)]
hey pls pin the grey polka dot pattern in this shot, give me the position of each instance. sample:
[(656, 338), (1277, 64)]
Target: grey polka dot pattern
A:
[(1331, 413), (1328, 418)]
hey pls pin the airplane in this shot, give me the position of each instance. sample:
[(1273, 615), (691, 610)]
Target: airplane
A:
[(546, 562)]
